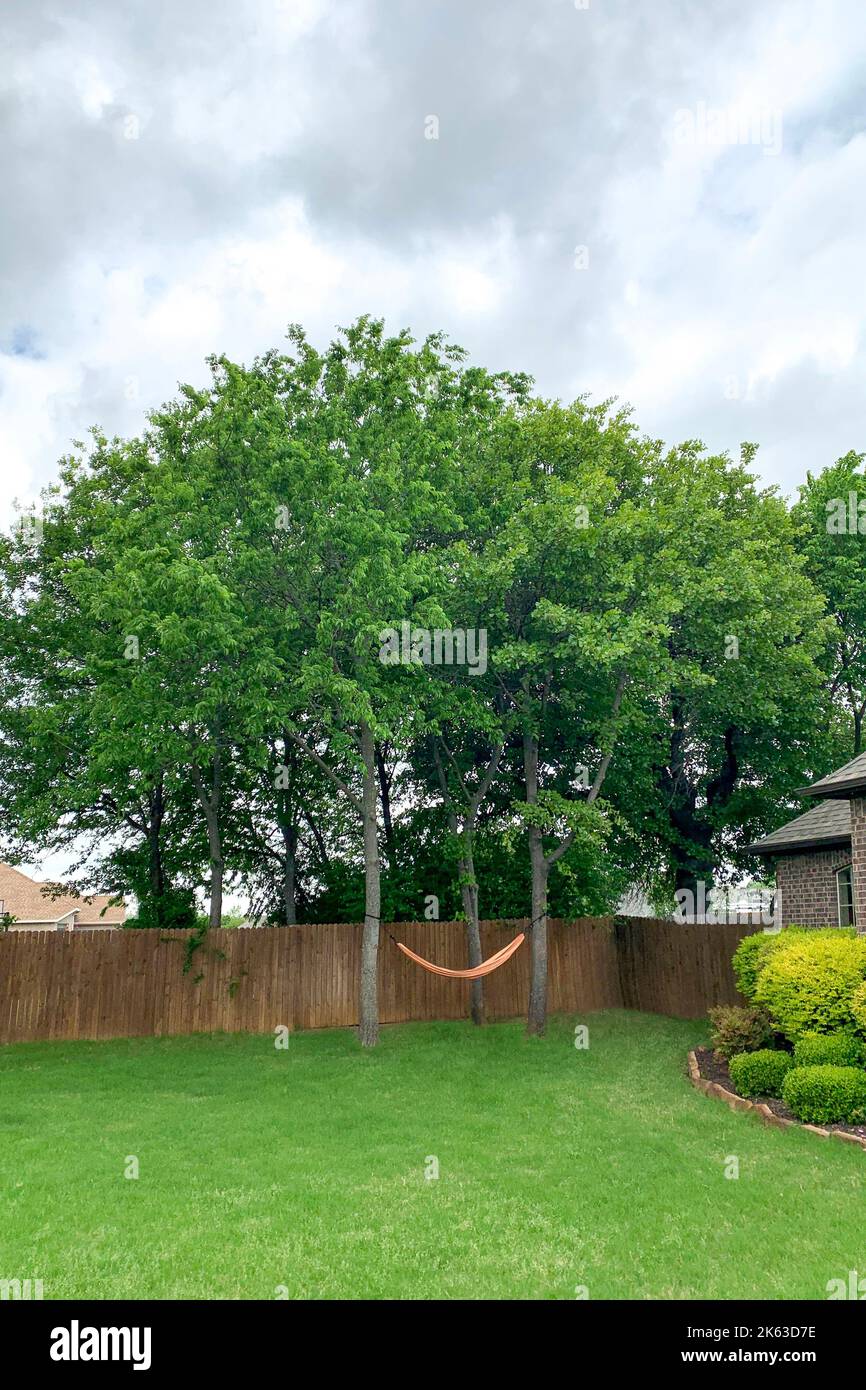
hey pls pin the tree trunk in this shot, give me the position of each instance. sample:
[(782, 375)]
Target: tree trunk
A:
[(469, 894), (387, 823), (368, 1012), (536, 1021), (286, 814), (210, 805), (156, 871), (692, 848), (216, 886), (466, 861), (289, 843)]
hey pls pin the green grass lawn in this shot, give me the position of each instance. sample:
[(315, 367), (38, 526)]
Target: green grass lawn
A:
[(305, 1169)]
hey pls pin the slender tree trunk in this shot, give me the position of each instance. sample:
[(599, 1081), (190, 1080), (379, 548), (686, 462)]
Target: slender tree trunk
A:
[(368, 1030), (466, 863), (469, 894), (286, 814), (536, 1020), (289, 846), (387, 823), (468, 890), (210, 804), (156, 871), (216, 883)]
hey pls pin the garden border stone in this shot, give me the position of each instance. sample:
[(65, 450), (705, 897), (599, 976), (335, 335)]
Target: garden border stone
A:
[(764, 1113)]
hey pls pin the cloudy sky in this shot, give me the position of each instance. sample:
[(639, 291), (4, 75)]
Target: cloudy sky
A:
[(661, 201)]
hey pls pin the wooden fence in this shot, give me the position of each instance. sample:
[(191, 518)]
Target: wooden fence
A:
[(106, 984)]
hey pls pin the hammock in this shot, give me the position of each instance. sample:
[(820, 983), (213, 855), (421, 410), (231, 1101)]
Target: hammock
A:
[(475, 973)]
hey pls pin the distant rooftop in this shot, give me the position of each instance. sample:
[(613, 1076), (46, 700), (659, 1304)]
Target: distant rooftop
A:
[(32, 902)]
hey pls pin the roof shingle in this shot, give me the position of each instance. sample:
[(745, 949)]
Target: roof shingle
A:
[(828, 823), (845, 781)]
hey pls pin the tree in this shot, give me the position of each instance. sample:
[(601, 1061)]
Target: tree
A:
[(69, 780), (831, 520), (368, 514), (220, 662), (737, 727), (575, 621)]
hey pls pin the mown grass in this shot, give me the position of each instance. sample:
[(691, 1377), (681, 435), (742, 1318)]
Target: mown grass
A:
[(302, 1172)]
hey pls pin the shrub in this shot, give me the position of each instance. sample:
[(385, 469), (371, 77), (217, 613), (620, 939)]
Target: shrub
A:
[(808, 983), (753, 952), (858, 1008), (760, 1073), (826, 1095), (749, 959), (828, 1049), (736, 1029)]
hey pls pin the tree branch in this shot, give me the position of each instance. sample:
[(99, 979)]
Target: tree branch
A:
[(326, 768)]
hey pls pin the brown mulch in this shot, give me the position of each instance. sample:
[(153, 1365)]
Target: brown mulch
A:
[(712, 1067)]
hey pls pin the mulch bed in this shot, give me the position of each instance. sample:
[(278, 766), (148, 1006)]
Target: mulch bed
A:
[(709, 1073)]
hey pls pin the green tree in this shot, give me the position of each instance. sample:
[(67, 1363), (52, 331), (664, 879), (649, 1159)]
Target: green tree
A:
[(712, 757), (831, 520), (368, 515)]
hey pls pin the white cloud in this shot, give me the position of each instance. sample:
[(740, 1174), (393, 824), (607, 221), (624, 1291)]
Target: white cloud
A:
[(278, 171)]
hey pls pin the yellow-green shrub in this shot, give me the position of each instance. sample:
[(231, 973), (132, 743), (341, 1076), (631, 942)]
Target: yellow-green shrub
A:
[(753, 952), (750, 958), (808, 984), (858, 1008)]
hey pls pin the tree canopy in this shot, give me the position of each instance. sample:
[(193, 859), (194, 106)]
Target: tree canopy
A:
[(371, 633)]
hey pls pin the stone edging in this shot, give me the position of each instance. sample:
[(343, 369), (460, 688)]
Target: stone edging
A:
[(714, 1088)]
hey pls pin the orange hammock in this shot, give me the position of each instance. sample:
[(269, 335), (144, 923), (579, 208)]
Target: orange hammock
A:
[(485, 968)]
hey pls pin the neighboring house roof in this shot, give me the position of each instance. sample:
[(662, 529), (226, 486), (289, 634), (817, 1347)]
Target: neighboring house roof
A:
[(846, 781), (27, 902), (826, 824)]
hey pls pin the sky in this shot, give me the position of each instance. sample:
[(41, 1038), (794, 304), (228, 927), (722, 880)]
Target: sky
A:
[(661, 202)]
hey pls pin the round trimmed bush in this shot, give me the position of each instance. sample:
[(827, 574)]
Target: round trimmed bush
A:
[(826, 1095), (808, 984), (828, 1049), (760, 1073)]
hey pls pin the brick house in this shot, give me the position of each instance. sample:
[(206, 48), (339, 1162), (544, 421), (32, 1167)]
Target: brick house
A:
[(35, 907), (820, 857)]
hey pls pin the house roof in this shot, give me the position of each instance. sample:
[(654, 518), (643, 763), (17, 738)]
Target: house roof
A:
[(846, 781), (829, 823), (27, 902)]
